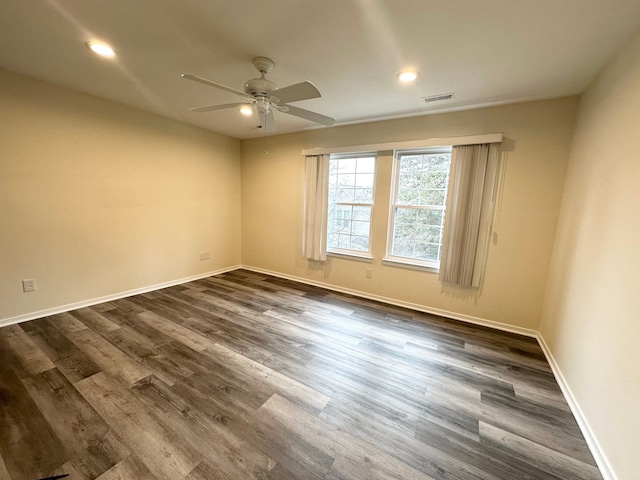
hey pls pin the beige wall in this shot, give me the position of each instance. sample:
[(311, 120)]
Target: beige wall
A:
[(536, 148), (97, 198), (591, 320)]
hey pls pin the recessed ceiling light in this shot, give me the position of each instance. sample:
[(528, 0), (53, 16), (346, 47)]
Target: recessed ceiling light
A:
[(246, 110), (408, 76), (101, 49)]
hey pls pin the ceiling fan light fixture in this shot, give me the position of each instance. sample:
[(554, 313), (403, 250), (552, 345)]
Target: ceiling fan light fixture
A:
[(408, 76), (101, 48), (246, 110), (263, 96)]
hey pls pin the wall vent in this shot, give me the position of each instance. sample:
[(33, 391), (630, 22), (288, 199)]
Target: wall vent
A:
[(438, 98)]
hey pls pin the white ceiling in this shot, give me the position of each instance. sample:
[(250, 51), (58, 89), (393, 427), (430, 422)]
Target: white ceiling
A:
[(488, 52)]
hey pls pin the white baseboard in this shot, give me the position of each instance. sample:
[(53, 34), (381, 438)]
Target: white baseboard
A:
[(108, 298), (399, 303), (589, 436)]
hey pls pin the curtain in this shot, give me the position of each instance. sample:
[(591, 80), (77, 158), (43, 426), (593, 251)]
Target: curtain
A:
[(314, 236), (467, 224)]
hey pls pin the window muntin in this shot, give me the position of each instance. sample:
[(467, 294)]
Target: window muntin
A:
[(350, 203), (418, 205)]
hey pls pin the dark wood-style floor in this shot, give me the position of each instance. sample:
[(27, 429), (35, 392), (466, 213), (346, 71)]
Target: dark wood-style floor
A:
[(244, 376)]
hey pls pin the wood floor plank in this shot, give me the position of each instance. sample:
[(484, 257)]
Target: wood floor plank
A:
[(295, 456), (140, 349), (87, 439), (129, 319), (69, 470), (524, 425), (68, 358), (492, 461), (93, 319), (4, 473), (108, 357), (224, 453), (128, 469), (245, 376), (285, 386), (177, 332), (67, 323), (339, 444), (155, 445), (28, 444), (397, 439), (27, 358), (553, 462)]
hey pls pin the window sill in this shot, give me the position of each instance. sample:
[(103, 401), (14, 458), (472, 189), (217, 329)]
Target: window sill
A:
[(408, 264), (352, 256)]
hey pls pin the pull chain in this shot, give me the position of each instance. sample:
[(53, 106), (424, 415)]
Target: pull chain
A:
[(266, 152)]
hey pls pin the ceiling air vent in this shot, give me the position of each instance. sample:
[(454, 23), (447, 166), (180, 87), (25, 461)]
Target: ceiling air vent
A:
[(438, 98)]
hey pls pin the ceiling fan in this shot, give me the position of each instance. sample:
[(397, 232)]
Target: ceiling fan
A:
[(265, 97)]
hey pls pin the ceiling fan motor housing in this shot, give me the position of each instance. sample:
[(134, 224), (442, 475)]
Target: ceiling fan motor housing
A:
[(259, 87)]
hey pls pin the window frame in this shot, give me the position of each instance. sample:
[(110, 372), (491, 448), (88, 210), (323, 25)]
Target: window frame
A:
[(347, 252), (390, 258)]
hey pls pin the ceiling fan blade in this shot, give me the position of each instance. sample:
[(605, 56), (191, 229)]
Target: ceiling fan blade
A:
[(267, 121), (216, 107), (307, 115), (297, 92), (204, 81)]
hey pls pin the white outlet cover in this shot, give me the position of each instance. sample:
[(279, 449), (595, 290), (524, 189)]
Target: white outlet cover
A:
[(29, 285)]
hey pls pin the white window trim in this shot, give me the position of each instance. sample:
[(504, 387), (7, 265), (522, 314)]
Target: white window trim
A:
[(402, 262), (351, 255), (389, 258)]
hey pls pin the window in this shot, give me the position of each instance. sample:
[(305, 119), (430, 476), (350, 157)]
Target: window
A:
[(350, 201), (439, 193), (418, 205)]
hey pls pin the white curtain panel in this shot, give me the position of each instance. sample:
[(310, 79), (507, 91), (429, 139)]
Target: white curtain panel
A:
[(314, 237), (469, 211)]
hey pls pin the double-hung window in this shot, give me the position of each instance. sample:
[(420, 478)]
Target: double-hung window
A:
[(418, 206), (440, 201), (350, 203)]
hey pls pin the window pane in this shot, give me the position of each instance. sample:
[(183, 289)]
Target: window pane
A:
[(362, 195), (411, 163), (366, 165), (360, 243), (434, 198), (431, 217), (346, 232), (343, 241), (403, 232), (427, 251), (406, 216), (345, 195), (422, 181), (345, 165), (364, 180), (410, 180), (351, 183), (359, 228), (361, 213), (437, 180)]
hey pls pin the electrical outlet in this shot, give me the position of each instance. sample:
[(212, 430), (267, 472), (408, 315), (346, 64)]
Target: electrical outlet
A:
[(368, 273), (29, 285), (204, 256)]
